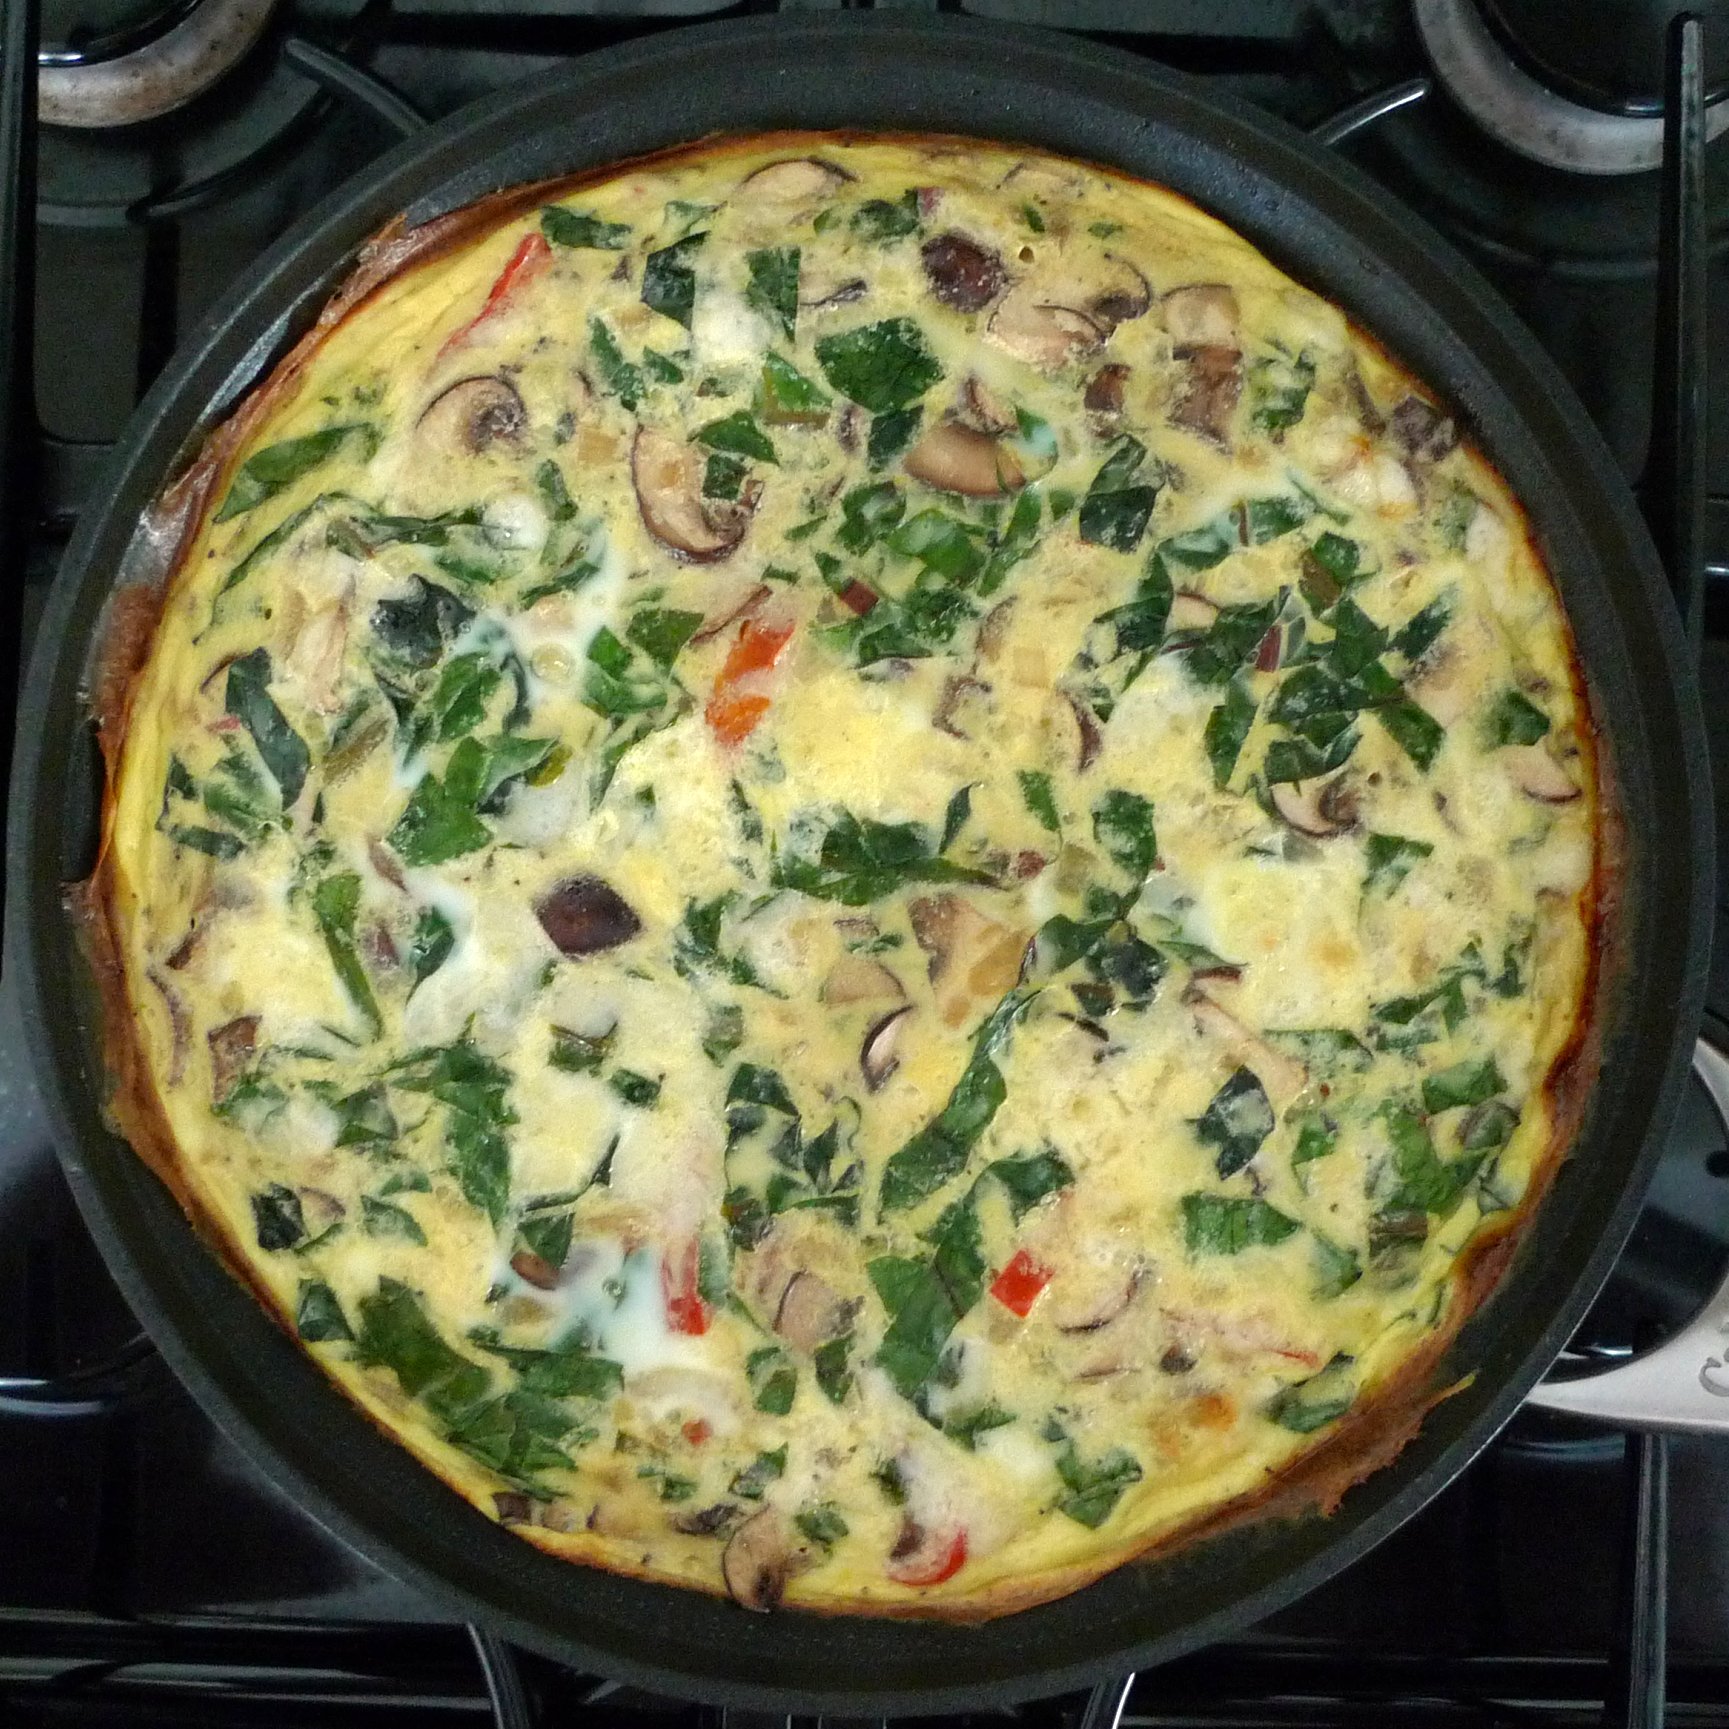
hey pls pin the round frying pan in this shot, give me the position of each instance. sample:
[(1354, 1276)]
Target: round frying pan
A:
[(1331, 230)]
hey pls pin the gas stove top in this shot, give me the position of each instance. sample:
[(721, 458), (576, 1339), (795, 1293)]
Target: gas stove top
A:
[(148, 1572)]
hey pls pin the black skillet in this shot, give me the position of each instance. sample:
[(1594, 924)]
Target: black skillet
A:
[(1331, 230)]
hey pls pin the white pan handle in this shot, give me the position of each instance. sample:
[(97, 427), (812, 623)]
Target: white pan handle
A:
[(1684, 1383)]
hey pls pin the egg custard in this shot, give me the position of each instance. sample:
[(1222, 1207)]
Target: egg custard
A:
[(861, 870)]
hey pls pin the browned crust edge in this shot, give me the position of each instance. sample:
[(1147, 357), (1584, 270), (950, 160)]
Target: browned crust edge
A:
[(1315, 1482)]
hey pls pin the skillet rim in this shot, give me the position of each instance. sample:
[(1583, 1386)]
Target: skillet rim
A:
[(1298, 172)]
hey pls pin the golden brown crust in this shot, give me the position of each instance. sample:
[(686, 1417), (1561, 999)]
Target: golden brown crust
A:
[(1359, 1445)]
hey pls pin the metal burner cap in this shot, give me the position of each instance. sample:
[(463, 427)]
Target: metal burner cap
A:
[(1614, 62), (114, 63), (1526, 115)]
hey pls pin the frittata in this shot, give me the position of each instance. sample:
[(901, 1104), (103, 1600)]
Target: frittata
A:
[(856, 866)]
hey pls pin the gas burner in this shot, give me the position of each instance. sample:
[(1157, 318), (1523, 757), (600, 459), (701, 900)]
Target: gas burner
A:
[(112, 78), (151, 107), (1540, 122)]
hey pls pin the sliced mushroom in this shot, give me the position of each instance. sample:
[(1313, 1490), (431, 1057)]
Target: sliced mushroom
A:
[(1090, 738), (971, 956), (1537, 774), (811, 1312), (1119, 294), (1203, 315), (1089, 1296), (1320, 809), (981, 408), (668, 480), (1190, 611), (817, 291), (1212, 383), (1104, 393), (712, 1521), (513, 1507), (231, 1047), (798, 180), (877, 1055), (1423, 431), (752, 599), (534, 1270), (585, 915), (955, 458), (473, 414), (1040, 333), (1282, 1076), (962, 273), (760, 1560), (957, 694), (859, 979), (993, 628)]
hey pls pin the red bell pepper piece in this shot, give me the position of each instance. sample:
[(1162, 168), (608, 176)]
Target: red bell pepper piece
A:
[(944, 1564), (680, 1284), (1018, 1285), (531, 259), (733, 716)]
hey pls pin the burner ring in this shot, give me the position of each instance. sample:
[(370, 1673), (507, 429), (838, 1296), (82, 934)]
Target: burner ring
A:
[(1528, 117), (158, 78)]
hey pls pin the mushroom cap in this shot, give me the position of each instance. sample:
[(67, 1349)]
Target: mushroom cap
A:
[(667, 476)]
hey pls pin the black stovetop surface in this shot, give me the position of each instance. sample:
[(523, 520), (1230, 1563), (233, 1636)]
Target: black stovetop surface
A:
[(149, 1573)]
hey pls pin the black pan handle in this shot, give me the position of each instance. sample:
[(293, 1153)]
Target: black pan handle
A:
[(19, 33)]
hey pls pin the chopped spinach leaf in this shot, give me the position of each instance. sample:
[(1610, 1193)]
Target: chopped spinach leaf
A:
[(669, 278), (752, 1482), (396, 1334), (1120, 499), (1036, 794), (643, 1091), (882, 219), (335, 903), (1229, 642), (1027, 1178), (882, 367), (1316, 1402), (724, 1032), (773, 287), (617, 374), (1489, 1127), (823, 1525), (1278, 386), (1317, 1136), (1236, 1122), (578, 228), (788, 398), (965, 1427), (926, 1299), (277, 1220), (280, 747), (1336, 1269), (318, 1316), (1390, 858), (1227, 729), (697, 944), (1467, 1083), (386, 1219), (1415, 640), (581, 1053), (438, 823), (1413, 729), (570, 1370), (1422, 1181), (416, 631), (661, 632), (861, 860), (1228, 1224), (277, 466), (891, 435), (472, 1088), (1123, 826), (960, 808), (1093, 1490), (1515, 719), (773, 1380), (833, 1373)]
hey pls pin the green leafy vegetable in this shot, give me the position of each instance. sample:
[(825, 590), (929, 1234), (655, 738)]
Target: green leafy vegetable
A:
[(1317, 1136), (669, 278), (788, 398), (318, 1316), (277, 1220), (1123, 826), (616, 374), (1278, 387), (697, 945), (823, 1524), (1390, 858), (1467, 1083), (439, 823), (578, 228), (643, 1091), (396, 1334), (1120, 499), (1228, 1224), (833, 1375), (891, 435), (1027, 1178), (738, 433), (570, 1370), (277, 466), (1415, 640), (1093, 1490), (1422, 1181), (280, 747), (1416, 732), (581, 1053), (1236, 1122), (861, 860), (939, 1151), (386, 1219), (430, 946), (882, 367), (1230, 641), (1036, 794), (773, 1380), (661, 632), (965, 1427), (1336, 1269), (472, 1088), (752, 1482), (926, 1298), (773, 286), (882, 220), (1514, 719), (1316, 1402), (335, 902), (1227, 729)]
